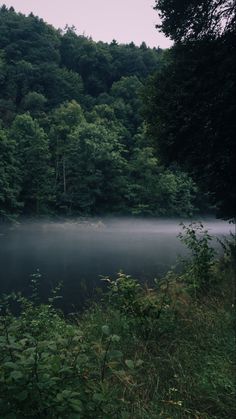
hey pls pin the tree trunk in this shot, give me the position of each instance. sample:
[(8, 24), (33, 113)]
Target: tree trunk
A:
[(64, 174)]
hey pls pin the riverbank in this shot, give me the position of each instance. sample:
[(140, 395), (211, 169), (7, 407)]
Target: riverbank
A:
[(165, 351)]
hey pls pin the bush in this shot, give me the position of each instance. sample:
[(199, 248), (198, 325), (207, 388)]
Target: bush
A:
[(198, 269), (142, 353)]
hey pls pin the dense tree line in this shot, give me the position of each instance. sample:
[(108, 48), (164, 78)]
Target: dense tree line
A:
[(72, 135), (190, 101)]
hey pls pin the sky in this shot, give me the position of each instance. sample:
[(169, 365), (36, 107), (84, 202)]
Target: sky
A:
[(103, 20)]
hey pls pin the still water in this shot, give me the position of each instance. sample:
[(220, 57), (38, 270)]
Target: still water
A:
[(80, 253)]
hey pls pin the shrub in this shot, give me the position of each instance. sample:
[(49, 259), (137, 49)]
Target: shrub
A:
[(198, 269)]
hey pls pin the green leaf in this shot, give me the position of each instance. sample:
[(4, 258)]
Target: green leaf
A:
[(115, 338), (76, 406), (129, 363), (115, 354), (106, 330)]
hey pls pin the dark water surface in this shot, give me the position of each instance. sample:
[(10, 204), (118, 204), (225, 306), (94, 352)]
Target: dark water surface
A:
[(80, 253)]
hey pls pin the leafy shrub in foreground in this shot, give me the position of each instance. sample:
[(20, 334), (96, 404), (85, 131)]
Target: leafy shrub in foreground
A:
[(49, 368), (198, 268), (144, 353)]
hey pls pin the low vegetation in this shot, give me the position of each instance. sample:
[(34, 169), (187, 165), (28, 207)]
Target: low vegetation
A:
[(165, 351)]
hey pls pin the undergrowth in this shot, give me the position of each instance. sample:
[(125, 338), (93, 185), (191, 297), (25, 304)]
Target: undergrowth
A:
[(143, 352)]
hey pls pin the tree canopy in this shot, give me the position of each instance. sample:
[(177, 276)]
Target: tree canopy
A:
[(190, 102), (195, 19), (73, 139)]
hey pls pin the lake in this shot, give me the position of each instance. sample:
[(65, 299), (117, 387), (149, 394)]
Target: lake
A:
[(80, 253)]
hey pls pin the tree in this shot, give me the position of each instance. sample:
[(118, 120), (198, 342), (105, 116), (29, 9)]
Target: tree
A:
[(27, 38), (34, 159), (127, 102), (154, 190), (9, 177), (195, 19), (190, 105), (34, 103), (72, 108), (96, 169), (63, 121)]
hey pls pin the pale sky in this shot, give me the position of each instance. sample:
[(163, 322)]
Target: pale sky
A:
[(103, 20)]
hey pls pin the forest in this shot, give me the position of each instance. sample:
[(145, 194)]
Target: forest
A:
[(90, 129), (73, 134)]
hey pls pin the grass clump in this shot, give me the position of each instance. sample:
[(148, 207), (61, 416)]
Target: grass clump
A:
[(142, 352)]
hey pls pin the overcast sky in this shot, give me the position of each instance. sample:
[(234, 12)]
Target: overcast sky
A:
[(105, 20)]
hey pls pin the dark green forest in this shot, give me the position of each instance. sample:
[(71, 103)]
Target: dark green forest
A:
[(73, 139), (190, 100), (91, 128)]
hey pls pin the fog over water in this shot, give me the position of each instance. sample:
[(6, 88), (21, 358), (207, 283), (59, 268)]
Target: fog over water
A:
[(80, 253)]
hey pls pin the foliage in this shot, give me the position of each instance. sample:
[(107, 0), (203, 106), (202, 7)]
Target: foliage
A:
[(9, 177), (140, 353), (190, 105), (34, 162), (97, 169), (52, 368), (71, 112), (191, 20), (199, 272), (155, 190), (190, 113)]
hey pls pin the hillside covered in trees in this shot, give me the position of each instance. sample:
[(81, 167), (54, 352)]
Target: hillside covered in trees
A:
[(93, 128), (72, 134)]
